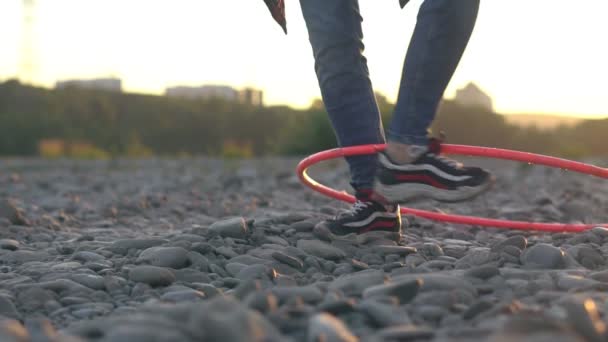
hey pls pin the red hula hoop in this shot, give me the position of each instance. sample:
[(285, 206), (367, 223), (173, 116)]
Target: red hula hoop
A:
[(461, 150)]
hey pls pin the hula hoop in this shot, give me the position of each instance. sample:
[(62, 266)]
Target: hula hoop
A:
[(461, 150)]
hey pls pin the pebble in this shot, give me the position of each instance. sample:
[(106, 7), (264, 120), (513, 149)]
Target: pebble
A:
[(172, 257), (234, 227), (152, 275), (405, 290), (161, 250), (355, 283), (320, 249), (543, 256), (327, 328)]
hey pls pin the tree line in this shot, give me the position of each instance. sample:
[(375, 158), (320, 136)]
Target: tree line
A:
[(90, 123)]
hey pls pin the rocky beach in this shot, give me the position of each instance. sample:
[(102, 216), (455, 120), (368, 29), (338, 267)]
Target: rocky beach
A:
[(235, 250)]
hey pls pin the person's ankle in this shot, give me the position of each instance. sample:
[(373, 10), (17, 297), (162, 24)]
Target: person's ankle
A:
[(402, 153)]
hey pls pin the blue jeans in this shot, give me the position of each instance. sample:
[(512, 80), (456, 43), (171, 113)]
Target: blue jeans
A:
[(442, 32)]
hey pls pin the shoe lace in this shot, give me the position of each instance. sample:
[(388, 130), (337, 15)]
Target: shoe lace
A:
[(356, 208), (435, 152)]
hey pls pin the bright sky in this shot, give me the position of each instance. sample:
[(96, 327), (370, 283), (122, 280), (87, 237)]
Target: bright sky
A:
[(536, 56)]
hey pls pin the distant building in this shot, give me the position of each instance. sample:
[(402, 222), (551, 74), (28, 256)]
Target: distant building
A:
[(203, 92), (108, 84), (472, 96), (250, 96)]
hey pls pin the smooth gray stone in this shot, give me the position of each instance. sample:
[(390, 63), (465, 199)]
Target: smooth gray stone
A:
[(143, 333), (226, 251), (253, 272), (22, 256), (477, 256), (84, 256), (439, 282), (303, 226), (234, 268), (355, 283), (8, 309), (309, 293), (543, 256), (383, 314), (190, 275), (124, 245), (518, 241), (601, 276), (320, 249), (566, 282), (94, 282), (235, 227), (10, 211), (218, 270), (183, 296), (399, 250), (223, 319), (405, 290), (152, 275), (476, 309), (173, 257), (9, 244), (250, 260), (405, 332), (584, 316), (482, 272), (13, 331), (288, 260), (327, 328)]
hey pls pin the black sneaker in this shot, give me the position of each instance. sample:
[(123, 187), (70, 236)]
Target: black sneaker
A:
[(366, 216), (430, 175)]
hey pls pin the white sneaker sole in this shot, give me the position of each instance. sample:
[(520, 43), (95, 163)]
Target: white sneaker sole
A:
[(408, 192)]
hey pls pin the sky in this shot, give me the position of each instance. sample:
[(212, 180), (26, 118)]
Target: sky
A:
[(540, 56)]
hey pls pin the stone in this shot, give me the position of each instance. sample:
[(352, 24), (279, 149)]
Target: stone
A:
[(85, 256), (482, 272), (327, 328), (584, 316), (518, 241), (309, 293), (476, 309), (234, 227), (405, 332), (288, 260), (187, 295), (405, 290), (543, 256), (10, 211), (355, 283), (152, 275), (124, 245), (320, 249), (10, 244), (173, 257), (399, 250), (8, 309), (224, 319), (92, 281), (382, 314)]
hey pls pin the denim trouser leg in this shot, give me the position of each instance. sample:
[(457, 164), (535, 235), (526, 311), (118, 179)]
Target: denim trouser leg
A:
[(334, 28), (440, 37)]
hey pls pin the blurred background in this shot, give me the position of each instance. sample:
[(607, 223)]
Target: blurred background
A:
[(137, 78)]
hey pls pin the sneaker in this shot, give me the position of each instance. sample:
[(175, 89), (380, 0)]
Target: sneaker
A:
[(430, 175), (366, 216)]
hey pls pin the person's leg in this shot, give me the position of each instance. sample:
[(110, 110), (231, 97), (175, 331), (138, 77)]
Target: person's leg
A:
[(439, 40), (334, 28), (412, 168)]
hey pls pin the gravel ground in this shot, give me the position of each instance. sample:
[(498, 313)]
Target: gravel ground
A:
[(207, 250)]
